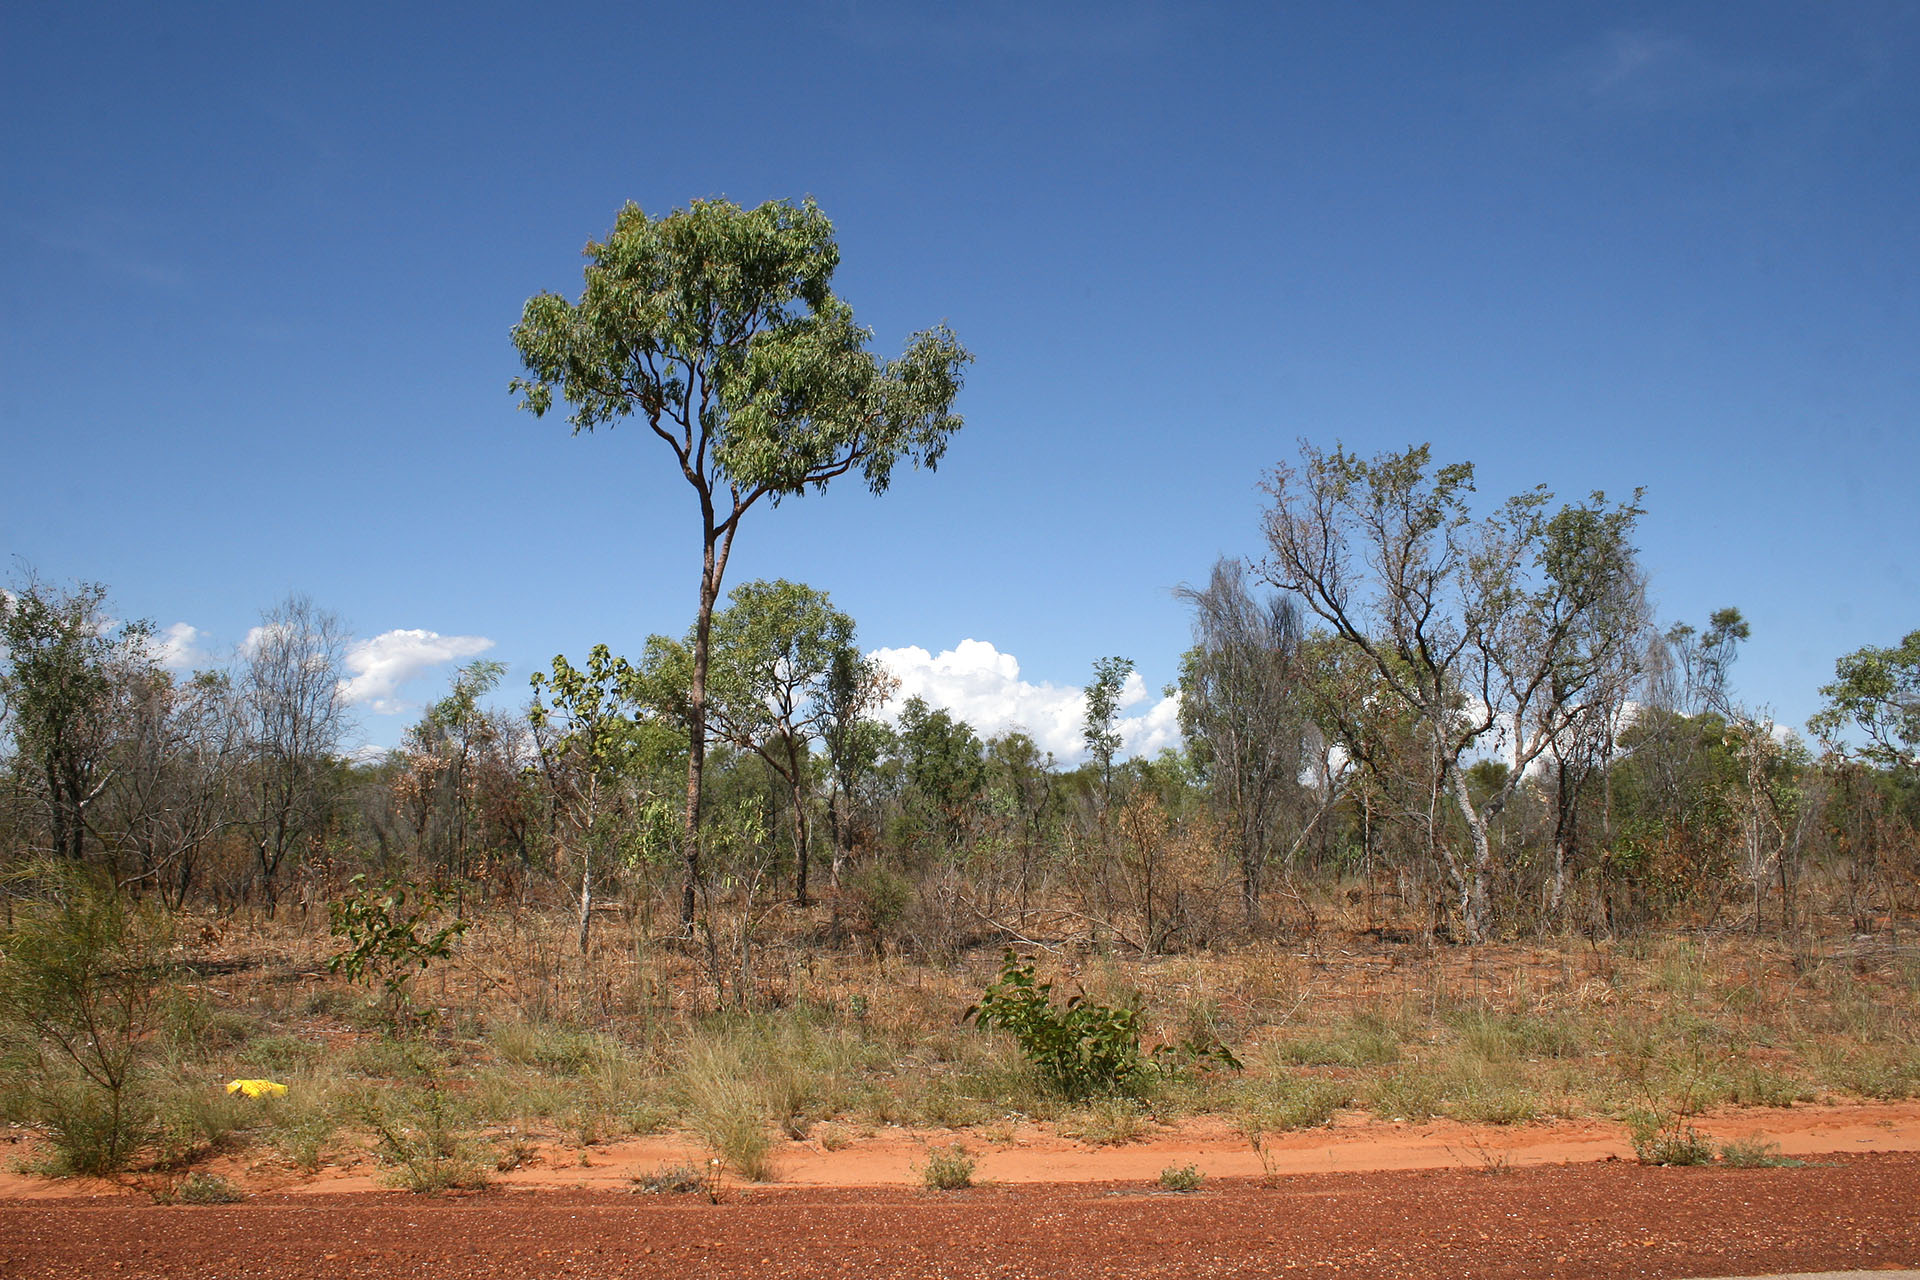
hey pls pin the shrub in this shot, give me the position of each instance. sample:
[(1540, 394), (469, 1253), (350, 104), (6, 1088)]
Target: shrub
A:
[(1667, 1140), (197, 1121), (673, 1179), (422, 1138), (302, 1137), (1081, 1049), (948, 1169), (93, 1131), (83, 981), (207, 1188), (1293, 1102), (382, 926), (725, 1111), (1184, 1178)]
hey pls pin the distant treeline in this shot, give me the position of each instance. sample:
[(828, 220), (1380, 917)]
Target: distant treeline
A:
[(1404, 715)]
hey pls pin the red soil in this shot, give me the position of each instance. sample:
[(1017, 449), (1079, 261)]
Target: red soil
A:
[(1361, 1198)]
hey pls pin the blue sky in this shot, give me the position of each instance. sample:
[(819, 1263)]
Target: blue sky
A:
[(258, 267)]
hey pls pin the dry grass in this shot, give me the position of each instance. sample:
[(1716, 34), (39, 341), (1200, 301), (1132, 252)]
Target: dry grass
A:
[(528, 1038)]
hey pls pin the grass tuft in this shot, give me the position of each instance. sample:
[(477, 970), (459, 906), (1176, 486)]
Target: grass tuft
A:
[(948, 1168), (1182, 1178)]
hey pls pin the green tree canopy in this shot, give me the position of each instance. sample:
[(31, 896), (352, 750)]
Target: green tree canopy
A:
[(718, 327), (1876, 693)]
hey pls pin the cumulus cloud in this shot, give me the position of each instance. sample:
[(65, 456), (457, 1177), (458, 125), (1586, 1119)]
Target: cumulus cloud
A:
[(977, 683), (181, 648), (380, 666)]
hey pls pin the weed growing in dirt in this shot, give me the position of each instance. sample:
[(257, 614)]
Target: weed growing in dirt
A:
[(1668, 1140), (1755, 1153), (948, 1168), (1490, 1159), (421, 1136), (1182, 1178), (206, 1188)]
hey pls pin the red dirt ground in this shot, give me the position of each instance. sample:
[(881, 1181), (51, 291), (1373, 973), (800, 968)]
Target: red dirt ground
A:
[(1362, 1199), (1600, 1220)]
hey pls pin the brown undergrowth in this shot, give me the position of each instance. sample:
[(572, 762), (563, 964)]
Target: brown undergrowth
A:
[(522, 1044)]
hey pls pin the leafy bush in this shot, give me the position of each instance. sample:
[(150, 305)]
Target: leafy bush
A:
[(1081, 1049), (382, 926)]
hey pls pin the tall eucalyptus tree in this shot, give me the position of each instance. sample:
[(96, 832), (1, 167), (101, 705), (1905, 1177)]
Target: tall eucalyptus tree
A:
[(718, 327)]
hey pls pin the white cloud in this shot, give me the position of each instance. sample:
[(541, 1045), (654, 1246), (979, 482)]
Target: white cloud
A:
[(381, 665), (977, 683), (178, 648)]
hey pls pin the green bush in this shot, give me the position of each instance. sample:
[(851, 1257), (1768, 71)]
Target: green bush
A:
[(1184, 1178), (420, 1134), (948, 1169), (93, 1131), (195, 1121), (1292, 1102), (207, 1188), (83, 982), (1081, 1049), (384, 927), (301, 1137), (1667, 1140)]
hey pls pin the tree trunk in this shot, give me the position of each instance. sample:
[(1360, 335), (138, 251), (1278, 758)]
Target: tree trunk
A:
[(586, 893), (697, 723), (800, 898), (1473, 901)]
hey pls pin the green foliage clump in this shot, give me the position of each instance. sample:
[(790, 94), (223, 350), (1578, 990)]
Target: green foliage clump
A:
[(948, 1169), (1081, 1049), (1755, 1153), (382, 926), (207, 1188), (422, 1136), (1667, 1140), (83, 982), (1182, 1178)]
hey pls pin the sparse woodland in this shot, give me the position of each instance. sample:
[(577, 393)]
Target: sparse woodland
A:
[(1419, 722)]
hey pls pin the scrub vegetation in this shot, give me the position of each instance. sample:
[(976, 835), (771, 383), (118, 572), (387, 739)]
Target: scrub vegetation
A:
[(1458, 828)]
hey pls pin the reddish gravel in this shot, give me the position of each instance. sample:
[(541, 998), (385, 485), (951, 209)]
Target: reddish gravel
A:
[(1606, 1219)]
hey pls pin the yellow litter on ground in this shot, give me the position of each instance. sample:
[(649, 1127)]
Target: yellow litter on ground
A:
[(257, 1088)]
